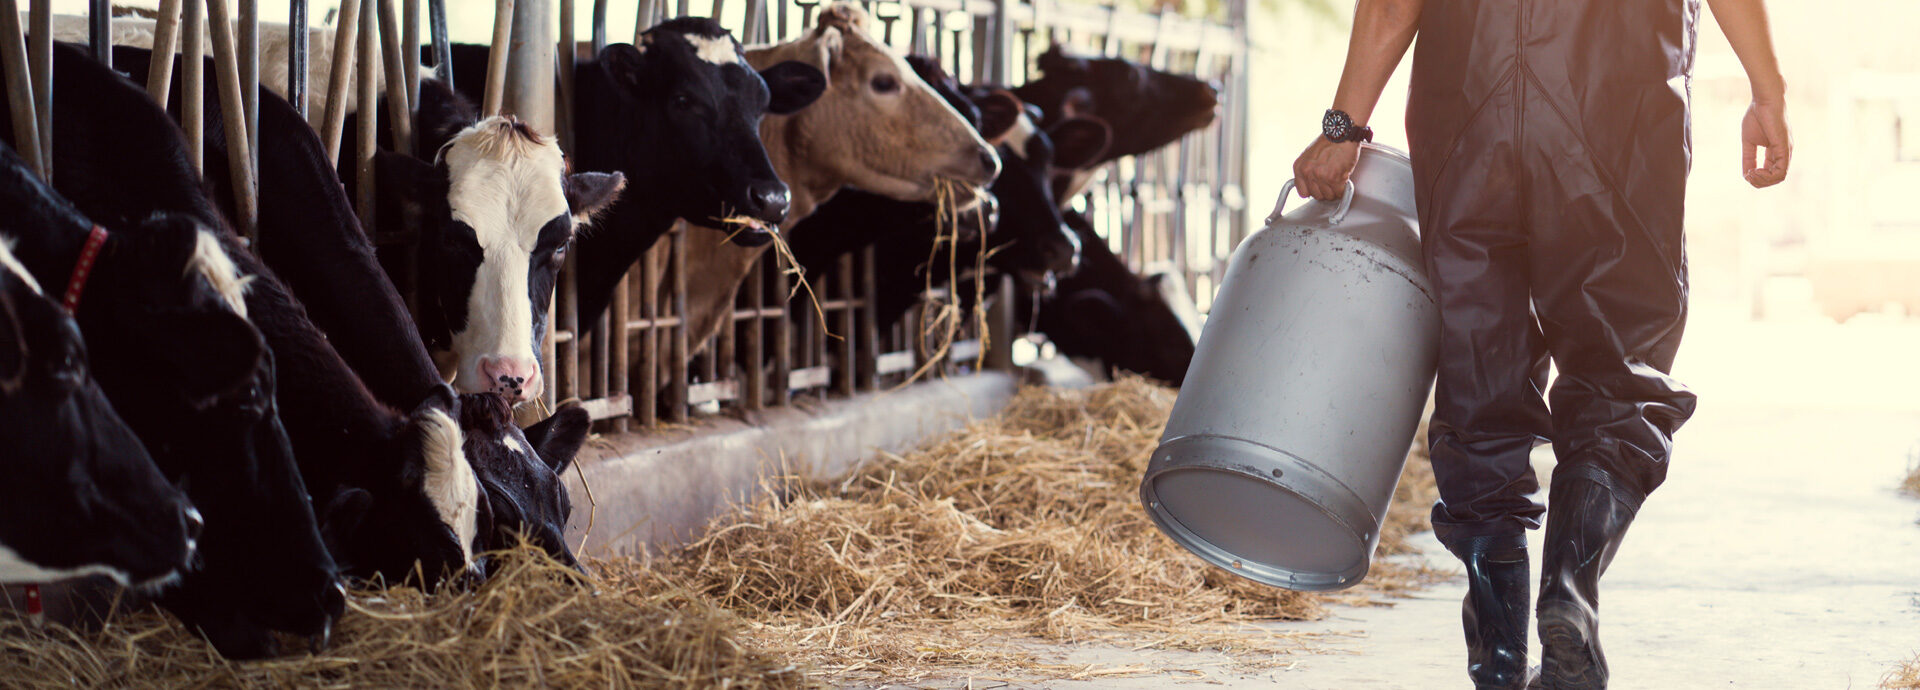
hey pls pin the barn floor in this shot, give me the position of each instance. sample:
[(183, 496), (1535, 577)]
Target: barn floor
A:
[(1778, 555)]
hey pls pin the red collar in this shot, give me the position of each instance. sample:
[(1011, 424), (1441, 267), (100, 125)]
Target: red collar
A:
[(83, 267)]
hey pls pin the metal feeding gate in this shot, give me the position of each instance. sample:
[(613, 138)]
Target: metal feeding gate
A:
[(1180, 209)]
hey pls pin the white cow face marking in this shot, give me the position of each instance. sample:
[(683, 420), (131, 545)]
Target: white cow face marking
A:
[(450, 483), (12, 265), (210, 260), (719, 50), (510, 212)]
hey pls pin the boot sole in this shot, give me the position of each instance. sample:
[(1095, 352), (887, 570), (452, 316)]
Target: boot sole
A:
[(1569, 661)]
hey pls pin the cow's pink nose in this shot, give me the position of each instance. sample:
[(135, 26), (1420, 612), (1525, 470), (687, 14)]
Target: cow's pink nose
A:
[(513, 378)]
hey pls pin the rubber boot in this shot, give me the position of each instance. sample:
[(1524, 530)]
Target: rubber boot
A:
[(1588, 512), (1494, 614)]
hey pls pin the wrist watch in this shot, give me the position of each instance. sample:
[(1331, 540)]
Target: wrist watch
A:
[(1338, 128)]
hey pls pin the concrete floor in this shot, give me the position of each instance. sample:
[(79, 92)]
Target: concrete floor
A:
[(1778, 554)]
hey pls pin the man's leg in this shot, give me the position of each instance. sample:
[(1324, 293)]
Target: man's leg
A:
[(1488, 411), (1611, 295)]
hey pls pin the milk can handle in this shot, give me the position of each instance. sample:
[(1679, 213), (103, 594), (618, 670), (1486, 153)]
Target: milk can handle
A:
[(1339, 214)]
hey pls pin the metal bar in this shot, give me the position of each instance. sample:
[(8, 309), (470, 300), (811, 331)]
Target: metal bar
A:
[(100, 30), (395, 59), (40, 62), (599, 26), (649, 370), (756, 345), (193, 80), (782, 342), (297, 35), (496, 92), (567, 56), (682, 8), (529, 87), (166, 39), (233, 110), (410, 40), (756, 22), (618, 384), (566, 354), (20, 101), (368, 69), (677, 355), (442, 45), (848, 370), (643, 20), (339, 78), (248, 53), (868, 357)]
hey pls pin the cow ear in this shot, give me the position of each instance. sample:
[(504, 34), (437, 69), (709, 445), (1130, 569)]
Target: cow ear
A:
[(827, 42), (558, 438), (623, 62), (589, 193), (793, 85), (1079, 142), (999, 112)]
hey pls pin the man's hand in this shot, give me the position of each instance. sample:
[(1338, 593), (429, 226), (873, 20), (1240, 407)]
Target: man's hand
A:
[(1765, 126), (1323, 169)]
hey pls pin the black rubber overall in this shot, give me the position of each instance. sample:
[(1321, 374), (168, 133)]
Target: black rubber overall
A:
[(1550, 144)]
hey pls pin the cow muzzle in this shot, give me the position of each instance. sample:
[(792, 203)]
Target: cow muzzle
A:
[(515, 379)]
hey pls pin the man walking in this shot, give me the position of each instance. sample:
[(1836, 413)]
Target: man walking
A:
[(1550, 145)]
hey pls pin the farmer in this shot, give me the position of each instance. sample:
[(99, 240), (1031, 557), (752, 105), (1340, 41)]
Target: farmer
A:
[(1550, 147)]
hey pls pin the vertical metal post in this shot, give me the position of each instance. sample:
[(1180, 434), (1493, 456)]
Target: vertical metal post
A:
[(233, 111), (496, 92), (248, 52), (754, 393), (193, 80), (646, 377), (782, 344), (368, 70), (40, 62), (339, 77), (442, 46), (398, 111), (100, 30), (599, 26), (530, 64), (644, 19), (166, 39), (297, 37), (410, 38), (868, 367), (618, 381), (677, 355), (568, 58), (849, 370), (681, 8), (756, 22), (20, 100)]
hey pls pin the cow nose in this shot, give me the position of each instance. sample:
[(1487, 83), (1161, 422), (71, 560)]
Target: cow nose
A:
[(989, 164), (194, 525), (512, 378), (769, 201)]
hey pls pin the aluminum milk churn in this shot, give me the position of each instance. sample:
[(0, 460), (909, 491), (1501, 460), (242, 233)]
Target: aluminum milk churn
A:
[(1306, 387)]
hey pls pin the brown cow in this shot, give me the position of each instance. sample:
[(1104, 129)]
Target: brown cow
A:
[(878, 127)]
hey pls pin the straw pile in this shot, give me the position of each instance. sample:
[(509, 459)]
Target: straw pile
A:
[(1903, 677), (534, 623), (1027, 524)]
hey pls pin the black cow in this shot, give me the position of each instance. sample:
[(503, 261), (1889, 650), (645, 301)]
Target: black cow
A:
[(679, 115), (172, 348), (1107, 313), (520, 472), (82, 496), (1146, 108), (384, 476)]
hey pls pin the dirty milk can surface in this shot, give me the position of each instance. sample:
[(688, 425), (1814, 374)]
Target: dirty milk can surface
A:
[(1307, 385)]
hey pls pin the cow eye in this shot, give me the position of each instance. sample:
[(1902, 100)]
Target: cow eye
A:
[(683, 101), (885, 83)]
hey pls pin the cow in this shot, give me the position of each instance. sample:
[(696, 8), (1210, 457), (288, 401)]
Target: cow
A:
[(164, 318), (82, 496), (680, 116), (1145, 107), (1114, 319), (495, 210), (878, 126), (520, 472), (382, 476)]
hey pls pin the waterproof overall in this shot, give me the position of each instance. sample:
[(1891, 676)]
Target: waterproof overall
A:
[(1550, 146)]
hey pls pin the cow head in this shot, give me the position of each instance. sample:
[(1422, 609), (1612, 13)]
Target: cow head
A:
[(520, 473), (689, 107), (421, 522), (497, 212), (1144, 325), (879, 127), (1032, 242), (82, 496), (1147, 108)]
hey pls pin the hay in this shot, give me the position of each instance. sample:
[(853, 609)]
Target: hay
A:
[(1906, 676), (1911, 485), (534, 623), (1027, 524)]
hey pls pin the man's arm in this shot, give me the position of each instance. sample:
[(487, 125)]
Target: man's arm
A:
[(1382, 30), (1745, 24)]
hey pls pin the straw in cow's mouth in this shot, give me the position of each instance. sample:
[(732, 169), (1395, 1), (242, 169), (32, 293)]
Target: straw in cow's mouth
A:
[(785, 256)]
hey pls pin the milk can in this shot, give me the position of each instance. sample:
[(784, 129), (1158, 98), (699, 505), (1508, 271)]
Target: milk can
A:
[(1305, 390)]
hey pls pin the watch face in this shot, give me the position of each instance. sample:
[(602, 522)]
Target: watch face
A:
[(1335, 125)]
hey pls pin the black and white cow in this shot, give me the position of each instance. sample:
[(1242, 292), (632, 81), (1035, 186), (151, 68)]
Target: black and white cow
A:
[(1116, 319), (679, 116), (399, 493), (520, 472), (82, 496), (169, 341), (1146, 108)]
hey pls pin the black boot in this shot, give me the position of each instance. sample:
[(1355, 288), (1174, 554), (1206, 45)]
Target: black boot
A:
[(1495, 611), (1588, 511)]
